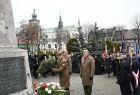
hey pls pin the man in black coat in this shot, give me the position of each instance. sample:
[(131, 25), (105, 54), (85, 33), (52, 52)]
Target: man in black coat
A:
[(135, 74), (109, 65), (138, 90), (34, 65), (114, 66), (123, 75)]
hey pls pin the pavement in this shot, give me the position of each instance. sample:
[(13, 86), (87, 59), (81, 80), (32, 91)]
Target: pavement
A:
[(102, 84)]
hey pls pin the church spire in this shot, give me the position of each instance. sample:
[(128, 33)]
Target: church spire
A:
[(60, 25), (78, 22)]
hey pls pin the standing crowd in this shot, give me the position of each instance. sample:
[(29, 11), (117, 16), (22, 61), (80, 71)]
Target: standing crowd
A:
[(125, 66), (63, 67), (127, 73)]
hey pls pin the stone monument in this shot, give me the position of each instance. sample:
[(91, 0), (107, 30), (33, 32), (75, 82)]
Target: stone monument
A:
[(15, 77)]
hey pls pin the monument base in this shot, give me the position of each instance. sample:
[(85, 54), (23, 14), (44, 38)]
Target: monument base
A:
[(15, 77)]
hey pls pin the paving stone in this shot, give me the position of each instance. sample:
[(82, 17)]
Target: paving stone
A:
[(102, 84)]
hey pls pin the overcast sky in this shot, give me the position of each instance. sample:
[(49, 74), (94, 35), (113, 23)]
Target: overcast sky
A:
[(106, 13)]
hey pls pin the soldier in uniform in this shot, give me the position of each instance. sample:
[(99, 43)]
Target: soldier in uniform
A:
[(87, 70), (68, 59), (63, 69)]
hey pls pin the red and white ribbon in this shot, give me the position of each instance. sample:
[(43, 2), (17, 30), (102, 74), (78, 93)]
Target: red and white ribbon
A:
[(136, 77)]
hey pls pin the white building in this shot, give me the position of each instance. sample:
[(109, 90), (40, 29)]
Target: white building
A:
[(49, 36)]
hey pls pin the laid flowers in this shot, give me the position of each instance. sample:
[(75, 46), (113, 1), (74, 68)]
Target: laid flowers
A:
[(52, 88)]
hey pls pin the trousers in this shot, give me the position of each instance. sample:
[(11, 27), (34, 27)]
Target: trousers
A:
[(125, 88), (87, 90), (68, 93)]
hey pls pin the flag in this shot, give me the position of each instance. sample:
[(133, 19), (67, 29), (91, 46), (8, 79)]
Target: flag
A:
[(104, 55), (123, 48), (106, 49), (130, 51)]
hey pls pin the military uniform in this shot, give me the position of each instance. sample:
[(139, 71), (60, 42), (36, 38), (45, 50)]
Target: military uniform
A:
[(87, 70), (69, 63), (64, 78)]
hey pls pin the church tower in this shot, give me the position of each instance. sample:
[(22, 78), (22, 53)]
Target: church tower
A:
[(60, 23), (34, 17)]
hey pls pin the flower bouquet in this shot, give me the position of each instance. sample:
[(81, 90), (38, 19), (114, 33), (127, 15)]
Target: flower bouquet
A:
[(46, 65), (52, 88)]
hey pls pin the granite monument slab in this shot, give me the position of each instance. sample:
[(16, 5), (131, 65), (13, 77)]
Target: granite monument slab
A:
[(15, 77)]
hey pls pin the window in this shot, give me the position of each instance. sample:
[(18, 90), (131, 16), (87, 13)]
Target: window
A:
[(49, 45), (55, 45), (46, 36), (110, 38), (101, 39)]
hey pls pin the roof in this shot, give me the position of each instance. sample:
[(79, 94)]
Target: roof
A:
[(68, 28), (127, 34), (130, 35), (48, 30)]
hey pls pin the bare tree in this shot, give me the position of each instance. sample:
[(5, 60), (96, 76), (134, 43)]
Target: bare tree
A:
[(29, 34), (61, 36), (43, 40), (88, 28), (136, 24), (120, 27)]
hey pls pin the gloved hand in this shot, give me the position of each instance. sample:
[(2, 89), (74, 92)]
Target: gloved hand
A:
[(91, 78), (51, 70), (81, 76)]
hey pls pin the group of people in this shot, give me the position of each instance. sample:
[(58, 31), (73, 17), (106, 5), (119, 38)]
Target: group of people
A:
[(87, 69), (64, 68), (125, 66), (127, 73), (126, 70)]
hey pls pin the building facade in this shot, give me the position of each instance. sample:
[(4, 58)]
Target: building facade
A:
[(52, 37), (49, 38)]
